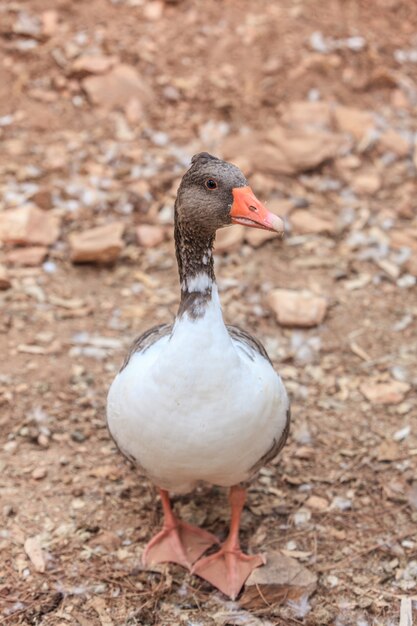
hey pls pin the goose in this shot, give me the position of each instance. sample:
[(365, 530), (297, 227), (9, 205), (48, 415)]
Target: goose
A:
[(198, 400)]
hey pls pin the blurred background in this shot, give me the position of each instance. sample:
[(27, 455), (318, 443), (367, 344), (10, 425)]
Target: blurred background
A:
[(102, 105)]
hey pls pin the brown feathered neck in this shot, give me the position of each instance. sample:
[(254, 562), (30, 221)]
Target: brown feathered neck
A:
[(194, 252)]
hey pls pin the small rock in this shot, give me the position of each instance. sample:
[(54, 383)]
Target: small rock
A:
[(49, 23), (341, 503), (28, 225), (102, 244), (402, 434), (317, 503), (356, 122), (116, 88), (150, 236), (153, 10), (411, 265), (43, 199), (27, 257), (5, 282), (78, 436), (307, 114), (297, 308), (305, 222), (93, 64), (229, 239), (366, 183), (34, 551), (283, 150), (403, 239), (392, 141), (281, 579), (39, 473), (380, 392)]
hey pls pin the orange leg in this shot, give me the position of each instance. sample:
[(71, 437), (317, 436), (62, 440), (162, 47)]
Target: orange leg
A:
[(228, 568), (177, 542)]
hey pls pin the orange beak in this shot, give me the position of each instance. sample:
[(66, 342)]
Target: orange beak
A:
[(247, 210)]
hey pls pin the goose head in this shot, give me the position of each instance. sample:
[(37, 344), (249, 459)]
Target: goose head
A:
[(214, 194)]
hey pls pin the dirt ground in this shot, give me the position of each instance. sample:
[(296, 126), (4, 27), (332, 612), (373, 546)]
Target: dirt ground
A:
[(341, 500)]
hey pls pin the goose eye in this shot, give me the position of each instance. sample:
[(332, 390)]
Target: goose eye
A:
[(211, 184)]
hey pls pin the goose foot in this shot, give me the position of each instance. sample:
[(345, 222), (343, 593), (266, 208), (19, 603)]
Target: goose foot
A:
[(228, 568), (178, 541)]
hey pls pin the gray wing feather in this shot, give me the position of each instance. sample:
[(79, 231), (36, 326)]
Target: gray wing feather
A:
[(248, 340), (146, 340), (254, 345)]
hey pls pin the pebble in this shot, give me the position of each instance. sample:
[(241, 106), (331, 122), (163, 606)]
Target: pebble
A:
[(302, 516), (31, 256), (305, 222), (28, 225), (150, 236), (39, 473), (102, 244), (318, 503), (297, 308), (116, 88), (381, 392), (5, 282)]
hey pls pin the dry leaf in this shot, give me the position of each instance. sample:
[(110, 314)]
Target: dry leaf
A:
[(281, 579), (99, 606)]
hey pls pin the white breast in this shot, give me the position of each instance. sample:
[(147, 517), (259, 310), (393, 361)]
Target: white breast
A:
[(194, 406)]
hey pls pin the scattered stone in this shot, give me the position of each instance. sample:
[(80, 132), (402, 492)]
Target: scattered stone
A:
[(411, 265), (34, 551), (28, 225), (114, 89), (43, 199), (302, 516), (93, 64), (31, 256), (5, 282), (366, 183), (39, 473), (380, 392), (392, 141), (402, 434), (27, 24), (280, 580), (317, 503), (49, 23), (404, 239), (102, 244), (388, 451), (153, 10), (150, 236), (305, 222), (297, 308), (284, 150), (356, 122), (307, 114), (341, 503), (229, 239)]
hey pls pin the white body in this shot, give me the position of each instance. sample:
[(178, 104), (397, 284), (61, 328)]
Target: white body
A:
[(197, 405)]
